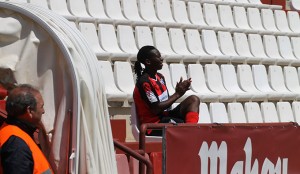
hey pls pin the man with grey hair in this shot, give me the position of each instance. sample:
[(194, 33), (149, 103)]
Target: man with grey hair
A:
[(18, 151)]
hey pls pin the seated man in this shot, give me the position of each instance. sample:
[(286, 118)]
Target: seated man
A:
[(18, 151), (151, 95)]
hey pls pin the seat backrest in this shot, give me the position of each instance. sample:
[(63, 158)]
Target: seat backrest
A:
[(59, 7), (178, 41), (165, 71), (253, 113), (194, 42), (147, 11), (285, 47), (218, 113), (195, 71), (226, 43), (271, 47), (162, 41), (108, 38), (96, 9), (163, 10), (245, 78), (89, 32), (214, 78), (204, 116), (130, 10), (254, 19), (42, 3), (296, 111), (210, 42), (196, 14), (276, 78), (294, 21), (269, 112), (285, 112), (229, 78), (179, 10), (295, 41), (236, 113), (260, 77), (124, 77), (241, 44), (177, 71), (211, 15), (281, 21), (113, 9), (256, 45), (78, 8), (295, 4), (143, 36), (240, 17), (126, 39), (268, 20), (291, 78), (105, 68), (226, 16)]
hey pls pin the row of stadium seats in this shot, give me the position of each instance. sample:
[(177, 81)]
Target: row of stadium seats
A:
[(220, 16), (190, 45), (250, 112), (213, 83)]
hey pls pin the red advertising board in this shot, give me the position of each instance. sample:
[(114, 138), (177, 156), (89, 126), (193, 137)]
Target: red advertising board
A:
[(236, 149)]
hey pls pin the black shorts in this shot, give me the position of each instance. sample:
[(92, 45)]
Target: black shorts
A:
[(172, 116)]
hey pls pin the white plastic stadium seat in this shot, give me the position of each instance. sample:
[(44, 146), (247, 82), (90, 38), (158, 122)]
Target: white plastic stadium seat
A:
[(295, 5), (277, 82), (294, 21), (281, 22), (269, 21), (240, 18), (113, 10), (111, 90), (42, 3), (131, 12), (204, 116), (211, 15), (269, 112), (165, 71), (180, 13), (147, 12), (195, 71), (218, 113), (285, 112), (61, 8), (215, 82), (164, 13), (260, 77), (286, 50), (143, 36), (126, 40), (95, 9), (253, 112), (257, 48), (78, 9), (196, 15), (242, 47), (162, 43), (211, 46), (236, 113), (296, 45), (135, 129), (195, 45), (89, 32), (255, 21), (296, 111), (179, 45), (291, 79), (227, 47), (230, 83), (109, 42), (226, 18), (246, 81), (124, 78), (271, 47)]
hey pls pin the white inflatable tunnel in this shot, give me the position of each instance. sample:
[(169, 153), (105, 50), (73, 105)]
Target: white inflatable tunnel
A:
[(46, 51)]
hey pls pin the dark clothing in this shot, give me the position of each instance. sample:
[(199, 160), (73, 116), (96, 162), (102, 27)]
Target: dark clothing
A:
[(16, 157)]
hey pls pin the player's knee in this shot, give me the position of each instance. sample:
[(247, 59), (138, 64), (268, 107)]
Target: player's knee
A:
[(194, 99)]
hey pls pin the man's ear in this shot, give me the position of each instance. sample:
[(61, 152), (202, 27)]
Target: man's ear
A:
[(28, 110)]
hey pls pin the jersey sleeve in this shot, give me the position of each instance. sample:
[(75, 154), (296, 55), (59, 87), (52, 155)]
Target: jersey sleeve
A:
[(149, 93)]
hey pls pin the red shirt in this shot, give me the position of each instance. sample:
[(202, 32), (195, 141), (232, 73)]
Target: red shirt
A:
[(147, 91)]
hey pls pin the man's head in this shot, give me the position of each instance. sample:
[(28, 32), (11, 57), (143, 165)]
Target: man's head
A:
[(25, 103)]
